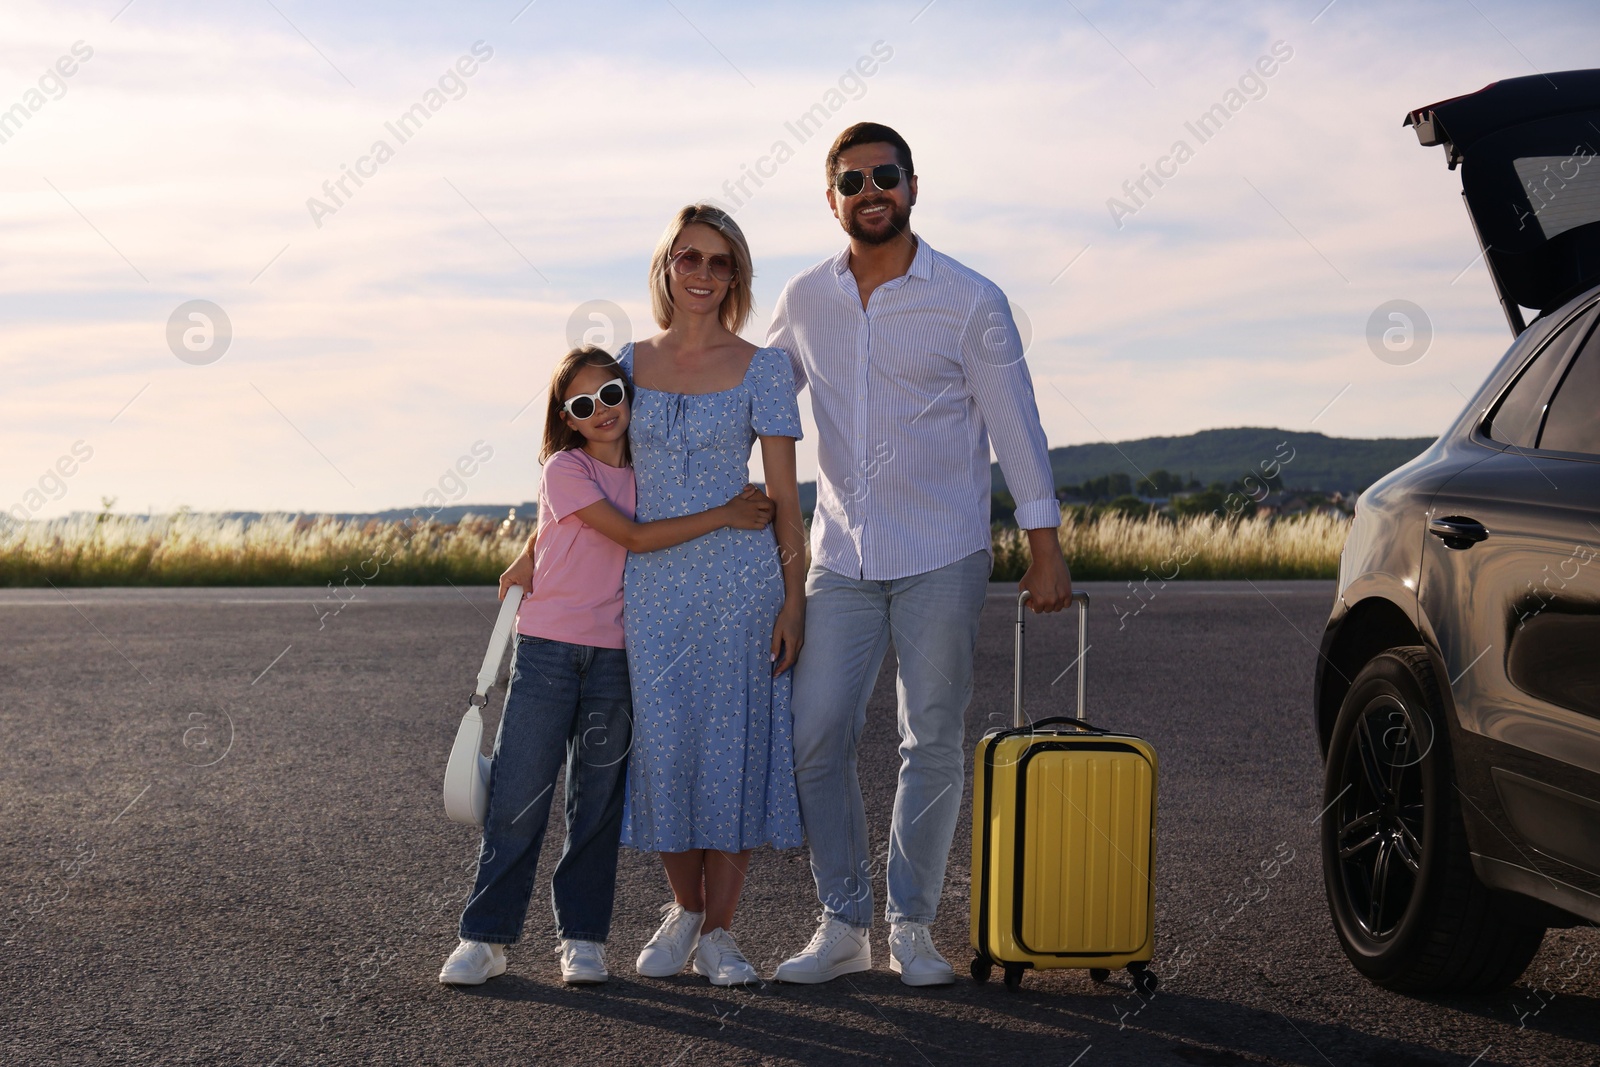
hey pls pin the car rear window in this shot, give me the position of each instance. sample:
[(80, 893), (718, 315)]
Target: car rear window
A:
[(1563, 191), (1534, 193), (1573, 422)]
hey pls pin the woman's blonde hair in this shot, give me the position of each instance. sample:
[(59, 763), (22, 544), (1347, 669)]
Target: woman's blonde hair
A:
[(739, 301)]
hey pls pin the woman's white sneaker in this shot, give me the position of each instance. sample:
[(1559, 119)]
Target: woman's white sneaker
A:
[(583, 962), (836, 948), (673, 943), (473, 963), (913, 957), (719, 959)]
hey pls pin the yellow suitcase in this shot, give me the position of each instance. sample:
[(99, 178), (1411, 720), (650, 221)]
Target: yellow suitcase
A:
[(1063, 843)]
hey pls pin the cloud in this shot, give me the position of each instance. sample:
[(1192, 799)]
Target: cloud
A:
[(431, 307)]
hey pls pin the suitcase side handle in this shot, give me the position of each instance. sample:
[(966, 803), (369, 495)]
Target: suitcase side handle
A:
[(1080, 598), (1066, 720)]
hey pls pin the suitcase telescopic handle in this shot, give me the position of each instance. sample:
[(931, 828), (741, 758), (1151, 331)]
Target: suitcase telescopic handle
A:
[(1018, 720)]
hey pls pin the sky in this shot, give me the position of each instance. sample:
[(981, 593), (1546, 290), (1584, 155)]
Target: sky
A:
[(380, 334)]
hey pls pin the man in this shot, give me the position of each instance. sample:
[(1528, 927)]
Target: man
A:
[(914, 365)]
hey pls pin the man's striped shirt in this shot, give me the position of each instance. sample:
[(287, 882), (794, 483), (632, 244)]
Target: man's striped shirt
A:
[(907, 395)]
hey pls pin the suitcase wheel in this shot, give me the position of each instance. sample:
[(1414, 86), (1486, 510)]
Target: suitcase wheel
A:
[(982, 967), (1014, 976), (1144, 979), (1099, 974)]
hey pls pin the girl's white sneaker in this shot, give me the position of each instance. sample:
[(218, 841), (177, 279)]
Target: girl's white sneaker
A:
[(583, 962), (719, 959), (473, 963), (673, 942)]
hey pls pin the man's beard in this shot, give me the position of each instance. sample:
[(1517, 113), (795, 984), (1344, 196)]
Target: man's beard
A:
[(899, 224)]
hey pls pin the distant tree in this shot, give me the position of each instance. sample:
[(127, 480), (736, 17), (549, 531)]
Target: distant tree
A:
[(1224, 501), (1130, 505), (1159, 483), (1106, 487), (1002, 509), (1202, 502)]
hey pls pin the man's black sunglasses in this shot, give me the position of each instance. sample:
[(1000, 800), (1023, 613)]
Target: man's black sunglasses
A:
[(885, 176)]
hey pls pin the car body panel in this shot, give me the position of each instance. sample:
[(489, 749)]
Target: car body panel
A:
[(1521, 657), (1379, 568), (1517, 624), (1518, 643)]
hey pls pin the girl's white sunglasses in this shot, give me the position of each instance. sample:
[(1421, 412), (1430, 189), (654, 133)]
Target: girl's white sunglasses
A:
[(584, 405)]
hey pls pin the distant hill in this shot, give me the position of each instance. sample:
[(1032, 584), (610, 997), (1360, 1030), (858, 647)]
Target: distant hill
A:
[(1318, 461), (446, 515), (453, 513)]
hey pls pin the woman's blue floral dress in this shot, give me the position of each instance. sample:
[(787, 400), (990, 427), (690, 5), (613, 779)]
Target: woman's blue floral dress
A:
[(712, 764)]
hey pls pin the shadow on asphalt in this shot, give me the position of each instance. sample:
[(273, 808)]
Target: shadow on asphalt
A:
[(842, 1022), (1570, 1015)]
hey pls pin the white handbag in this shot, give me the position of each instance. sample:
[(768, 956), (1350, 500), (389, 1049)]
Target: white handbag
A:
[(466, 776)]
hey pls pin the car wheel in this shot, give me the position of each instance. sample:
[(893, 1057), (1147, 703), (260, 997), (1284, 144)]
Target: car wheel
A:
[(1408, 909)]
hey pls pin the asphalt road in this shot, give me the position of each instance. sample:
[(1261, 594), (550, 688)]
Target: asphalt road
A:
[(223, 844)]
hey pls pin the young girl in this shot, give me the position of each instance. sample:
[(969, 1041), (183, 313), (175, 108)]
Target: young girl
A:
[(569, 689)]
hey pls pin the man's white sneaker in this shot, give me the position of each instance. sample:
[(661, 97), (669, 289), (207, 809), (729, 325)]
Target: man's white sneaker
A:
[(673, 942), (836, 948), (473, 963), (719, 959), (583, 962), (913, 957)]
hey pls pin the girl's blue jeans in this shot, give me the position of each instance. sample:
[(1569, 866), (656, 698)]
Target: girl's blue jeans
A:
[(569, 702)]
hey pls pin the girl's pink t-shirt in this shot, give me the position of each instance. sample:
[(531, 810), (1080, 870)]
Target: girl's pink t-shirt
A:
[(577, 570)]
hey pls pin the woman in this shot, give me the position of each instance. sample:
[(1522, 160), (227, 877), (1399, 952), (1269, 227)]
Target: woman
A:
[(713, 625)]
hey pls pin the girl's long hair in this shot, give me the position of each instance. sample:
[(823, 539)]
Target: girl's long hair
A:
[(558, 436)]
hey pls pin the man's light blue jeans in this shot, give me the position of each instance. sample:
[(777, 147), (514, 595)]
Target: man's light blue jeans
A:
[(932, 619)]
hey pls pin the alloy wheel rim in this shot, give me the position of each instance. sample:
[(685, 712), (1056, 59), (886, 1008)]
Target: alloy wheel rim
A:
[(1378, 818)]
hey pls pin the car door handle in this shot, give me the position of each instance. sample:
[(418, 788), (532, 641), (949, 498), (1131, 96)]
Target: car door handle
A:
[(1457, 531)]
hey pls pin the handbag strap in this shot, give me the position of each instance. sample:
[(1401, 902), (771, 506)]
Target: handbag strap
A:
[(499, 641)]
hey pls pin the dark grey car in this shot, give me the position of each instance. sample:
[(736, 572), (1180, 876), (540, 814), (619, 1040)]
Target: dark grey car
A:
[(1458, 690)]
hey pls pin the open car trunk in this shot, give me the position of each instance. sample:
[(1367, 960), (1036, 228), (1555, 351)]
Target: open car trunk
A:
[(1529, 153)]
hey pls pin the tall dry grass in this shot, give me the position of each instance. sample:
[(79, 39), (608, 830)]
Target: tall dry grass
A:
[(1116, 547), (205, 550), (274, 550)]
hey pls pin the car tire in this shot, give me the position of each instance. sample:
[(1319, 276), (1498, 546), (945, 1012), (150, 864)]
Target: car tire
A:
[(1406, 905)]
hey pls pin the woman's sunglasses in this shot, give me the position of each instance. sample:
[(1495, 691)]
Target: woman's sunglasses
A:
[(585, 405), (689, 260), (885, 176)]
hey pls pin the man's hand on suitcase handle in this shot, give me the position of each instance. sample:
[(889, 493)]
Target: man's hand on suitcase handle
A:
[(1048, 582)]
